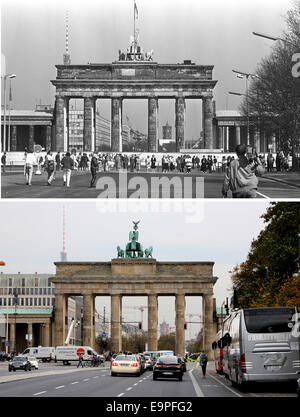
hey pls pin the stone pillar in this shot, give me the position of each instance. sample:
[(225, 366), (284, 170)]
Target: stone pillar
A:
[(48, 138), (152, 124), (61, 318), (31, 138), (179, 122), (220, 138), (46, 334), (152, 322), (227, 139), (237, 135), (116, 124), (30, 332), (13, 145), (89, 320), (208, 326), (60, 124), (257, 139), (180, 318), (207, 110), (12, 334), (116, 322), (273, 142), (89, 124)]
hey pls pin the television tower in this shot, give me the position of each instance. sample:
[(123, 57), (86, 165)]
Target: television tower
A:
[(67, 58), (63, 253)]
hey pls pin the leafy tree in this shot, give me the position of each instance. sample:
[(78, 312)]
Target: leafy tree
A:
[(276, 249), (197, 345), (167, 342), (135, 343), (274, 96)]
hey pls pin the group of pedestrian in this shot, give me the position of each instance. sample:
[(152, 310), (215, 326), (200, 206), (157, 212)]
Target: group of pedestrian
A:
[(5, 356)]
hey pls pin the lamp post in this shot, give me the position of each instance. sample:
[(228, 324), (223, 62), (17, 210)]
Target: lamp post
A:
[(9, 76), (9, 108), (15, 303)]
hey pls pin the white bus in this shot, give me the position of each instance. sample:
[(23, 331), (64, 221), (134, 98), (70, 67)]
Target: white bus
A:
[(157, 353), (261, 344)]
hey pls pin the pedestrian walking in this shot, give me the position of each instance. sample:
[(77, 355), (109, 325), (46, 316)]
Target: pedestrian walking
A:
[(3, 161), (67, 164), (30, 161), (203, 363), (50, 167), (57, 160), (94, 168), (80, 361), (241, 173)]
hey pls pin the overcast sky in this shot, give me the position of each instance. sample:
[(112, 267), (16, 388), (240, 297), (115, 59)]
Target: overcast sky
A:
[(215, 32), (31, 238)]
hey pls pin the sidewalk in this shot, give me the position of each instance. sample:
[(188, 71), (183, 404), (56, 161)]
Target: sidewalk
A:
[(34, 374), (289, 178)]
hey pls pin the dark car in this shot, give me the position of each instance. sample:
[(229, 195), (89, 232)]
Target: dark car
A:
[(182, 360), (19, 362), (298, 386), (168, 367)]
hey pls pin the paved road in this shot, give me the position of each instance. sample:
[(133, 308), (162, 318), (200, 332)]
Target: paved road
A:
[(97, 382), (141, 185)]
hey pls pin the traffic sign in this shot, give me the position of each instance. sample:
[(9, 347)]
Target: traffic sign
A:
[(103, 334), (80, 351)]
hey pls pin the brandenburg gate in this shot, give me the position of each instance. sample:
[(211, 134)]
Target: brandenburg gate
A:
[(133, 76), (134, 273)]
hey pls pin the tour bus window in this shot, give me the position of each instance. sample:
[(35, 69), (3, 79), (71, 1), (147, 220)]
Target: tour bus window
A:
[(269, 320)]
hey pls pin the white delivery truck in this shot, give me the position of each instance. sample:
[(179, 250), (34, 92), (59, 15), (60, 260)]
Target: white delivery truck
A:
[(43, 353), (68, 354)]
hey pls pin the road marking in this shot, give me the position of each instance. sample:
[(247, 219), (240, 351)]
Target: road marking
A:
[(95, 377), (140, 380), (61, 386), (135, 384), (128, 389), (197, 389), (87, 379), (73, 383), (264, 196), (120, 395), (39, 393), (237, 394)]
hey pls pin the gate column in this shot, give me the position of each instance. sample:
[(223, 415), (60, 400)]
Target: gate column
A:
[(179, 122), (207, 110), (152, 124), (237, 135), (89, 124), (152, 322), (208, 327), (180, 317), (116, 124), (116, 323), (89, 320), (61, 137), (61, 318)]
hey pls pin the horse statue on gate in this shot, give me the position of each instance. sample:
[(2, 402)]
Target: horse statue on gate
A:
[(121, 253), (148, 252)]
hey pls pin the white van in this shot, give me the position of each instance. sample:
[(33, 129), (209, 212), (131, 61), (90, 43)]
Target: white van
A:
[(67, 354), (44, 353)]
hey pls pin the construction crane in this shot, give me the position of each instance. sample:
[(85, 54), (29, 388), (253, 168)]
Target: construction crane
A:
[(190, 315), (141, 308)]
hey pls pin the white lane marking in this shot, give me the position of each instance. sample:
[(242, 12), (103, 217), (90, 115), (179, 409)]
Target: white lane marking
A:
[(197, 389), (120, 395), (86, 379), (39, 393), (73, 383), (128, 389), (135, 384), (140, 380), (264, 196), (237, 394), (95, 377), (61, 386)]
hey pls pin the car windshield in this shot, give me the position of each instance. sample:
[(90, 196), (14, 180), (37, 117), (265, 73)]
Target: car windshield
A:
[(168, 359), (20, 358), (269, 320), (125, 358)]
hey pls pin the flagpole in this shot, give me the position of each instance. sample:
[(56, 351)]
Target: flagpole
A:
[(134, 29)]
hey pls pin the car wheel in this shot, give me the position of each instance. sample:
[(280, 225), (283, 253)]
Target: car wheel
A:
[(25, 369), (113, 374), (180, 378), (154, 377), (14, 370), (9, 370)]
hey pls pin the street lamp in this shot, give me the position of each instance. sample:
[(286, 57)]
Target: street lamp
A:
[(274, 38), (15, 303), (241, 74), (9, 76), (9, 108)]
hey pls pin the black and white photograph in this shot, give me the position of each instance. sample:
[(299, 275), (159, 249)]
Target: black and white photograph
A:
[(132, 269)]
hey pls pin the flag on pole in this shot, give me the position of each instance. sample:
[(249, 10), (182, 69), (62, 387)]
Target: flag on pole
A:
[(136, 13)]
